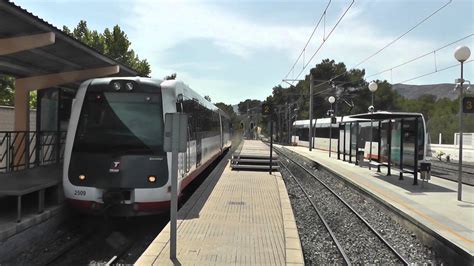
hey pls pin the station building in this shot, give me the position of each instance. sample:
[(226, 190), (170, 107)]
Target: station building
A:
[(41, 58)]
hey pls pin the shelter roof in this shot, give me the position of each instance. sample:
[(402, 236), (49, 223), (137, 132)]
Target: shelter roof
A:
[(65, 54), (383, 115)]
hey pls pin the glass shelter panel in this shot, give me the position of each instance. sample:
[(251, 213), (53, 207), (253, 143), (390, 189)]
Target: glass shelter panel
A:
[(347, 138), (354, 128)]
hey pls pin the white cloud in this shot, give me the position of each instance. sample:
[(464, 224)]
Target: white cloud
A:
[(166, 25), (158, 27)]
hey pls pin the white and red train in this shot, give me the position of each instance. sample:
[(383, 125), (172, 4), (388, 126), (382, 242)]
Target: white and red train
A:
[(348, 135), (114, 154)]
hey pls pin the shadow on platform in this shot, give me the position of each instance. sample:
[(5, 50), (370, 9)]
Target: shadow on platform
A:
[(194, 205), (407, 184)]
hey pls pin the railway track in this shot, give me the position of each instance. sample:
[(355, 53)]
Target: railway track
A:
[(449, 171), (356, 240)]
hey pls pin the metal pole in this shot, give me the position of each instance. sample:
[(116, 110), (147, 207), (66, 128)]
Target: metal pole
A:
[(401, 150), (174, 201), (460, 137), (271, 141), (310, 111), (330, 132), (289, 124), (339, 141), (344, 144), (371, 125), (415, 166), (389, 142), (350, 142)]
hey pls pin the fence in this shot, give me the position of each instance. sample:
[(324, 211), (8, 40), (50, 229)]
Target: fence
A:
[(467, 139), (26, 149)]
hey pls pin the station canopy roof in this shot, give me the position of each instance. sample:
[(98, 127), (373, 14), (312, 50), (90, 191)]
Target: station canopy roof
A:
[(63, 55), (383, 115)]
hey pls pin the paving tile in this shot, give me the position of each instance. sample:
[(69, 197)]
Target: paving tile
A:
[(236, 219)]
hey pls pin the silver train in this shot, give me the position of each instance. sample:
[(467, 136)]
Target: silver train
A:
[(349, 135), (114, 156)]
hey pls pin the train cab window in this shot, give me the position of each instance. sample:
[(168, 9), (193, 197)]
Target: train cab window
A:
[(121, 122)]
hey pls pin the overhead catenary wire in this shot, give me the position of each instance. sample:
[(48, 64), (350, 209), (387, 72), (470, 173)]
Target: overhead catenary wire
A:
[(323, 15), (390, 43), (326, 38), (401, 36), (433, 72), (421, 56), (414, 59)]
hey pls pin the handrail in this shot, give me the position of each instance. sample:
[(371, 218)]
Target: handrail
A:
[(26, 149)]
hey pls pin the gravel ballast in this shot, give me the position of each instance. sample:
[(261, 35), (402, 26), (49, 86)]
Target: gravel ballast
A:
[(360, 246)]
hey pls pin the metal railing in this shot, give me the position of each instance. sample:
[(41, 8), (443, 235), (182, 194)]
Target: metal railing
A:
[(27, 149)]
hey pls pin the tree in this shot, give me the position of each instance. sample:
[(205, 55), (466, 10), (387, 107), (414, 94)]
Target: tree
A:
[(7, 87), (229, 110), (114, 44), (248, 104)]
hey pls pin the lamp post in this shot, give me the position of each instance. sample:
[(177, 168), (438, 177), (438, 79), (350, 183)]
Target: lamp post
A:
[(310, 111), (461, 54), (372, 87), (331, 100)]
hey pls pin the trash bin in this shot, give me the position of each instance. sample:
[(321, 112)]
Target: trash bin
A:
[(425, 171), (360, 157)]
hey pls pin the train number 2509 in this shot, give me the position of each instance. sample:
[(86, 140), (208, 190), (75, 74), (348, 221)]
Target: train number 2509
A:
[(79, 192)]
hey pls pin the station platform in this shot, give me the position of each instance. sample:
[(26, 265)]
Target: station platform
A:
[(234, 217), (433, 205)]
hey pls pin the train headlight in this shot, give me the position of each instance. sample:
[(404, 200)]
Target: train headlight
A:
[(116, 85), (129, 86), (82, 177), (152, 179)]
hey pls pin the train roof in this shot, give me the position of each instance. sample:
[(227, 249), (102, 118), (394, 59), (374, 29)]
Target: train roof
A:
[(181, 87), (384, 115), (326, 120), (139, 80)]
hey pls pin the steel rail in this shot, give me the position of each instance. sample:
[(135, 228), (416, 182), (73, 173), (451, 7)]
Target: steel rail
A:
[(331, 233), (399, 256)]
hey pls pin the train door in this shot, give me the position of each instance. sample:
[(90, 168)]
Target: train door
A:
[(222, 132), (199, 132)]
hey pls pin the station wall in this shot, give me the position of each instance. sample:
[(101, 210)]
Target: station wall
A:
[(7, 116), (453, 151)]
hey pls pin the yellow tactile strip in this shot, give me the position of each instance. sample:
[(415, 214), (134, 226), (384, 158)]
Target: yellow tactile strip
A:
[(244, 218)]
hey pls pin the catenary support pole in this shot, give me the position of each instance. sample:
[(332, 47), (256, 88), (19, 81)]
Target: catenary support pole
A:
[(310, 111)]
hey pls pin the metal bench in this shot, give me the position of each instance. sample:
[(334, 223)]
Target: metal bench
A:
[(375, 163), (28, 181)]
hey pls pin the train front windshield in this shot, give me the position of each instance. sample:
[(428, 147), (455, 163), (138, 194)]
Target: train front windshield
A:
[(120, 123)]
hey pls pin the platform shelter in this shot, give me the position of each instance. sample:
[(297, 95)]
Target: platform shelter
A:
[(39, 57), (401, 137), (42, 58)]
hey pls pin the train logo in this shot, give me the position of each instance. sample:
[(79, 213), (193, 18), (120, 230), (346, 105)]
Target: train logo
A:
[(115, 167)]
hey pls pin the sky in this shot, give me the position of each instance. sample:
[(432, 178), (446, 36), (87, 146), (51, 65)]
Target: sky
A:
[(237, 50)]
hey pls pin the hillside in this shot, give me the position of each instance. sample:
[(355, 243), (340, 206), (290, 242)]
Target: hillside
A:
[(444, 90)]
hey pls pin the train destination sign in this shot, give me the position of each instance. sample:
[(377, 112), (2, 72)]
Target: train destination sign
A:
[(468, 105)]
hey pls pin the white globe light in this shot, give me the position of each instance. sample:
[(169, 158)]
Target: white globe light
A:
[(331, 99), (462, 53), (373, 86)]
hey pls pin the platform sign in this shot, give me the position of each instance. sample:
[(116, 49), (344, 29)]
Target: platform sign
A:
[(175, 132), (266, 108), (468, 105)]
